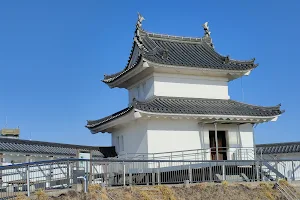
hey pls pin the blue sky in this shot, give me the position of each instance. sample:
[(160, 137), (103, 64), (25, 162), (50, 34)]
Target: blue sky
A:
[(53, 55)]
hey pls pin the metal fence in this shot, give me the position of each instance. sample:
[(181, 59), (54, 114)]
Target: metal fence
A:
[(66, 173), (231, 153)]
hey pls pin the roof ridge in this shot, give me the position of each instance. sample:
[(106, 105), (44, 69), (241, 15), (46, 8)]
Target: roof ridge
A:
[(37, 142), (166, 36), (107, 118), (253, 105), (278, 143), (223, 58)]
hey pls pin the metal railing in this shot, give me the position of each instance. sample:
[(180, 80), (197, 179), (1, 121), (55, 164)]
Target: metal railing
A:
[(286, 191), (57, 174), (231, 153)]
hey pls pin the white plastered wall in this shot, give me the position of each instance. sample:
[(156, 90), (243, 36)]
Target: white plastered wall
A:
[(166, 135), (190, 86), (173, 135), (158, 135), (174, 85), (134, 136), (142, 90)]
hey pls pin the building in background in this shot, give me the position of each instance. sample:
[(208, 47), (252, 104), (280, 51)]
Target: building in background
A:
[(10, 133), (14, 150), (179, 101), (283, 150)]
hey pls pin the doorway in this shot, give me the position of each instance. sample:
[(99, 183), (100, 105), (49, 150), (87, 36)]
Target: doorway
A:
[(222, 145)]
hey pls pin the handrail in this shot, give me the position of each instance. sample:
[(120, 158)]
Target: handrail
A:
[(192, 152), (189, 150)]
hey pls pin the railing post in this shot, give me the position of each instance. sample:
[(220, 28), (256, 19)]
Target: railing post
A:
[(210, 172), (130, 179), (190, 173), (261, 170), (158, 174), (124, 174), (68, 174), (257, 170), (293, 169), (276, 167), (223, 171), (87, 171), (28, 180), (153, 178), (91, 171)]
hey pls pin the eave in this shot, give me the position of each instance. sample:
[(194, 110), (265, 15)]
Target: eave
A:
[(135, 114), (127, 79), (228, 74), (209, 118), (110, 125), (145, 67)]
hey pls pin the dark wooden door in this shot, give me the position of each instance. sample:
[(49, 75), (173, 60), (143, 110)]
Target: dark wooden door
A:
[(222, 145)]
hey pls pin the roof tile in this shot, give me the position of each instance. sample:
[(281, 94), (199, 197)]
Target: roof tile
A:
[(197, 106)]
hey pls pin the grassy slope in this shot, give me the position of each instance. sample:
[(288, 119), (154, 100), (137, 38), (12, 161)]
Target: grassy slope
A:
[(205, 191)]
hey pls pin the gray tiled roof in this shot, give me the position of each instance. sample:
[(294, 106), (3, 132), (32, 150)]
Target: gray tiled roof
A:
[(196, 106), (48, 148), (197, 53), (277, 148), (179, 51)]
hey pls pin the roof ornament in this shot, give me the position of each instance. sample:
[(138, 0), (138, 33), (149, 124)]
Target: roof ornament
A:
[(206, 29), (226, 59), (207, 37), (140, 20), (165, 54)]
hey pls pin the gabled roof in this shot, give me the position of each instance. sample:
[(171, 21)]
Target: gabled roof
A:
[(192, 106), (278, 148), (175, 51), (49, 148)]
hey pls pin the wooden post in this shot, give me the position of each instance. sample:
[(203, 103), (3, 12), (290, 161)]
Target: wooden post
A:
[(216, 140)]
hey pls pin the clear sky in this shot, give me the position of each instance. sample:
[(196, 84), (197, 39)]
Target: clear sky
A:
[(53, 55)]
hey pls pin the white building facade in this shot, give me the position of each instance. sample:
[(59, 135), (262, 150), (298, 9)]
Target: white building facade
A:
[(179, 105)]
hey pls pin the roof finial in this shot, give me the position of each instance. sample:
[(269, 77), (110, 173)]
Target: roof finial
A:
[(140, 20), (206, 29)]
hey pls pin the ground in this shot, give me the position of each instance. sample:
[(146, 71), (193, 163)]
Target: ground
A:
[(203, 191)]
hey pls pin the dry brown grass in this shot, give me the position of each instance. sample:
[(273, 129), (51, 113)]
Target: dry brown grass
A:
[(41, 194), (267, 190), (225, 184), (145, 195), (128, 196), (202, 191), (283, 182), (22, 197), (166, 192), (95, 191)]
